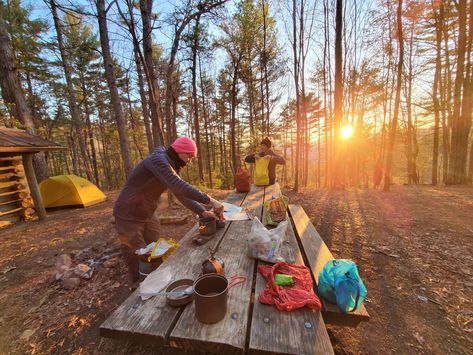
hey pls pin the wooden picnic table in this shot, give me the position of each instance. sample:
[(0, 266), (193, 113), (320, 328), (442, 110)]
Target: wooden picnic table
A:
[(249, 326)]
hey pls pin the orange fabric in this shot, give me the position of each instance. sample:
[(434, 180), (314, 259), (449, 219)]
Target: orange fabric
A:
[(217, 266), (242, 180)]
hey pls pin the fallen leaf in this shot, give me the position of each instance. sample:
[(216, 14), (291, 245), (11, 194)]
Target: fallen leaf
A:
[(419, 338), (8, 269), (27, 334)]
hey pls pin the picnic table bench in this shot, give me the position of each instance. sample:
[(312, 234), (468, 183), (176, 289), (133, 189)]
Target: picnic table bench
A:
[(248, 326)]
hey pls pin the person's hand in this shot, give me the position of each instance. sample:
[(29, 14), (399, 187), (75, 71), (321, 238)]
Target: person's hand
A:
[(216, 206), (209, 214), (268, 157), (257, 156)]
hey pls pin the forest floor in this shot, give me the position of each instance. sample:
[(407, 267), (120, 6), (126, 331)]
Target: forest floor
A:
[(413, 247)]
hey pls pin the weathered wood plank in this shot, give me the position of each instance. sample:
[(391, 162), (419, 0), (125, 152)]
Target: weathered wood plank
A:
[(11, 211), (228, 335), (318, 255), (11, 201), (7, 184), (18, 157), (152, 320), (10, 175), (21, 193), (297, 332), (18, 168)]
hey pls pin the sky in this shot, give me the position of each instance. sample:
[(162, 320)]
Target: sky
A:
[(122, 47)]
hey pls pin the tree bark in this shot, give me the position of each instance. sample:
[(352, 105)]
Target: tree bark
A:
[(233, 114), (202, 8), (206, 125), (112, 86), (146, 7), (296, 82), (397, 101), (33, 185), (73, 107), (144, 101), (411, 132), (195, 102), (338, 177), (435, 99), (13, 95), (457, 166)]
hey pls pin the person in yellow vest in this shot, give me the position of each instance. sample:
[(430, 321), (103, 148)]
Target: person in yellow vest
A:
[(267, 161)]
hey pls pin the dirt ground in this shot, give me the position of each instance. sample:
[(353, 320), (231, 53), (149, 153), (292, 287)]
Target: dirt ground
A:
[(414, 249)]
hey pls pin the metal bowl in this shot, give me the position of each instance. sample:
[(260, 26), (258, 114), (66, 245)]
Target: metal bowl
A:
[(176, 286)]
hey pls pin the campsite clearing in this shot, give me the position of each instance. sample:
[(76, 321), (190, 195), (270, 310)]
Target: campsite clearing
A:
[(413, 248)]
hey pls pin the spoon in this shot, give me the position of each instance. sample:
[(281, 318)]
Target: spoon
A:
[(187, 291)]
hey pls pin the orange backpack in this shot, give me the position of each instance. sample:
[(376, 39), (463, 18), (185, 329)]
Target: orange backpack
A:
[(242, 180)]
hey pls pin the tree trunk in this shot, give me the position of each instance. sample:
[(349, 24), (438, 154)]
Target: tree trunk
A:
[(233, 115), (134, 127), (112, 85), (457, 168), (144, 101), (397, 101), (437, 78), (206, 125), (296, 81), (89, 130), (13, 95), (411, 155), (33, 185), (73, 107), (195, 103), (265, 65), (338, 177), (326, 118), (146, 7), (467, 103), (305, 127)]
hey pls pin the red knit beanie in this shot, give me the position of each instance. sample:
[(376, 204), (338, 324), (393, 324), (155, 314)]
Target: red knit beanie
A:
[(185, 145)]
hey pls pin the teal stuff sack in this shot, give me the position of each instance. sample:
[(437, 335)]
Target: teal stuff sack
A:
[(340, 283)]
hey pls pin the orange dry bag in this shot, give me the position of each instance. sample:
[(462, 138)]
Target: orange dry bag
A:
[(242, 180)]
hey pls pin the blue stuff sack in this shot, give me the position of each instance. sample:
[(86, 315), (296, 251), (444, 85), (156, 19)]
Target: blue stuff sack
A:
[(340, 283)]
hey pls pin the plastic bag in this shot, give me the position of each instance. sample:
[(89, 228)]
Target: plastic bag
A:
[(163, 248), (276, 210), (340, 283), (288, 298), (265, 244), (262, 171), (155, 282)]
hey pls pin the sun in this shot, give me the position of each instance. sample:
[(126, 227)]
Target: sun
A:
[(346, 131)]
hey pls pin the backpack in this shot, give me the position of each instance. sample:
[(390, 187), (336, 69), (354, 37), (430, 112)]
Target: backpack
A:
[(261, 172), (340, 283), (242, 180)]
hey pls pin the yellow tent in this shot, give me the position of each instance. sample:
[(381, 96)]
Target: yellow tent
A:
[(70, 190)]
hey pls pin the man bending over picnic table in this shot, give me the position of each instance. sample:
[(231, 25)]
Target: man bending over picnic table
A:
[(267, 153), (135, 220)]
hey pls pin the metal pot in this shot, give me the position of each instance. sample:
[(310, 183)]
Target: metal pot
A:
[(207, 225), (210, 297), (147, 267)]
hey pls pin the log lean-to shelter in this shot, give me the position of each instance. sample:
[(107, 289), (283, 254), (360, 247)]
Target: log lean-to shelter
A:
[(19, 191)]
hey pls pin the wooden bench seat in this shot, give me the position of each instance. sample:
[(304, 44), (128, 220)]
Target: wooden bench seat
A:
[(318, 255)]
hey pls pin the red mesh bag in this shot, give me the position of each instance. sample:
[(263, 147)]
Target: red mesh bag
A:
[(288, 298), (242, 180)]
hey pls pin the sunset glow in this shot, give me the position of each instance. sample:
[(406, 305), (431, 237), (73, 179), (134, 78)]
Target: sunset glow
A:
[(346, 132)]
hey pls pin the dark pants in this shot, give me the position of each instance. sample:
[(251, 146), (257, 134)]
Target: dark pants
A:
[(134, 235)]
